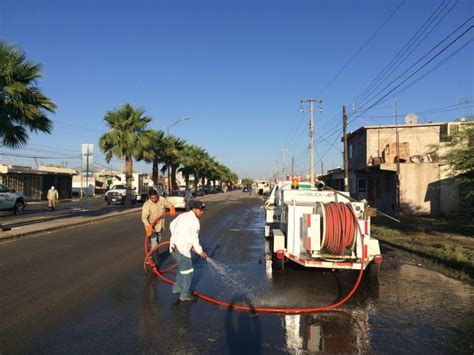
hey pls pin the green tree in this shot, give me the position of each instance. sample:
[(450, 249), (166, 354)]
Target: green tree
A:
[(127, 139), (247, 181), (460, 157), (154, 152), (190, 163), (173, 148), (23, 107)]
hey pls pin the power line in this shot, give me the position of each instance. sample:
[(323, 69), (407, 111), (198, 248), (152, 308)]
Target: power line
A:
[(420, 68), (438, 110), (361, 48), (37, 157), (423, 57), (431, 70), (396, 60)]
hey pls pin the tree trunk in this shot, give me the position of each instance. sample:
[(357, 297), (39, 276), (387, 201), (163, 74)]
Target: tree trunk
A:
[(196, 180), (173, 178), (128, 180), (154, 173), (186, 178)]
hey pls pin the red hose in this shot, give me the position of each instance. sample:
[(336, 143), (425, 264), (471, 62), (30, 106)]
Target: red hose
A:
[(340, 231), (268, 309)]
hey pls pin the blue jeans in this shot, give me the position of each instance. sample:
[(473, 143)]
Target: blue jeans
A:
[(154, 239), (184, 274)]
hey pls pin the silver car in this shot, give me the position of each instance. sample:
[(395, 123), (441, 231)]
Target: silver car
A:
[(10, 200)]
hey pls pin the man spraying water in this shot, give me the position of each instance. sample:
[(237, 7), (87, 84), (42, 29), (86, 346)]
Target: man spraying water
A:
[(184, 240)]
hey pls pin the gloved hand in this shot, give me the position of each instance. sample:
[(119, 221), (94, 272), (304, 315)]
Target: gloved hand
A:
[(172, 212), (149, 230)]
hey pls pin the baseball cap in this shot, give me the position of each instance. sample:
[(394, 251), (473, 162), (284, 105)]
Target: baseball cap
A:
[(196, 204)]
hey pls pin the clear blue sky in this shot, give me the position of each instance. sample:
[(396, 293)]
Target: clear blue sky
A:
[(238, 68)]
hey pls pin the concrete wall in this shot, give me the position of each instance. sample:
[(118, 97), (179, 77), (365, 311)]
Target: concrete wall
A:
[(419, 188), (420, 138)]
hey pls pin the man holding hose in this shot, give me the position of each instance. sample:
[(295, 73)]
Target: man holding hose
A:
[(153, 217), (184, 240)]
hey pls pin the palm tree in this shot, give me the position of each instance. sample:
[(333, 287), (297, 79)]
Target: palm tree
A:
[(187, 160), (127, 138), (23, 106), (154, 152), (173, 148), (191, 161)]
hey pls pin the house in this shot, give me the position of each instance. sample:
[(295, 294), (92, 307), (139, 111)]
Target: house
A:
[(35, 183), (396, 168)]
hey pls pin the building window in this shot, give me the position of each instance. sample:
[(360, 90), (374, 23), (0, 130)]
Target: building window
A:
[(350, 151), (362, 185)]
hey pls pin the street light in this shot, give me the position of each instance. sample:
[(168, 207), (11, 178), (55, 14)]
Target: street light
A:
[(168, 134)]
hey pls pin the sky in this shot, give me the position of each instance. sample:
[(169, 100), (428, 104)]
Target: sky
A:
[(239, 70)]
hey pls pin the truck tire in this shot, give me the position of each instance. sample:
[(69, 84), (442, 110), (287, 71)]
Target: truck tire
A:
[(19, 207), (278, 264), (373, 270)]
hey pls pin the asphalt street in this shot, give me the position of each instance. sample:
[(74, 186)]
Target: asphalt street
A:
[(84, 290)]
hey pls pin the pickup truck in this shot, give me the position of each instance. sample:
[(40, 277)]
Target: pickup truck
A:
[(117, 194)]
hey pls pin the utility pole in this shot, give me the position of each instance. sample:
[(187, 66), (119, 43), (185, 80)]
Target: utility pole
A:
[(311, 135), (346, 154), (322, 168), (276, 171), (284, 151), (397, 149), (292, 167)]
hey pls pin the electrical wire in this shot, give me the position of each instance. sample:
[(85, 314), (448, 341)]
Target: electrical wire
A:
[(396, 61), (361, 48), (417, 70)]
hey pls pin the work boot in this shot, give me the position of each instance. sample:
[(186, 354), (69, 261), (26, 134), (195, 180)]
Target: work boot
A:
[(187, 298)]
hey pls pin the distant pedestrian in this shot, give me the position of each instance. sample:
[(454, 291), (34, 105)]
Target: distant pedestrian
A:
[(153, 218), (184, 240), (53, 197)]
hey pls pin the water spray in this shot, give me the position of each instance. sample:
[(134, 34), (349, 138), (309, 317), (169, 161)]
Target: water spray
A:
[(161, 275)]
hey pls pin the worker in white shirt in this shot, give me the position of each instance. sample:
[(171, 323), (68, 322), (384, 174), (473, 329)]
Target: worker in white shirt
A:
[(184, 240)]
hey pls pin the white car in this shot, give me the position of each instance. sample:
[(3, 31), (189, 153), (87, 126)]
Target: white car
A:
[(10, 200), (180, 199), (117, 194)]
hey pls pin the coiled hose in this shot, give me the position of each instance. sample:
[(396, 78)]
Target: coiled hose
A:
[(160, 274)]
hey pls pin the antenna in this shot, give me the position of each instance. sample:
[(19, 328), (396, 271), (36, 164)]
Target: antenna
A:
[(411, 118)]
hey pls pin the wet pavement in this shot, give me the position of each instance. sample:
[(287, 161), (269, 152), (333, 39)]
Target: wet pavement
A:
[(102, 301)]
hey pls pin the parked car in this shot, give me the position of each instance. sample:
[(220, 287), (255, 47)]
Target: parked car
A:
[(180, 199), (10, 200), (117, 194)]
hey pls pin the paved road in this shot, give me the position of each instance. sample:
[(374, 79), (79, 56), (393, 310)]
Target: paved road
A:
[(83, 290)]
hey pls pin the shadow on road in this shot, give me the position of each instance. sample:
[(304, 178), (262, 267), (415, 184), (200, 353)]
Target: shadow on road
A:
[(243, 330)]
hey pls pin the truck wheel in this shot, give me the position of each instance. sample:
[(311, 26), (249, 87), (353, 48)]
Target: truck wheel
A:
[(19, 207), (278, 264), (373, 270)]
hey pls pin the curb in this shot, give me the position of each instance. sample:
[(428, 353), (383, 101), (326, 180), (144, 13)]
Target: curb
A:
[(68, 222)]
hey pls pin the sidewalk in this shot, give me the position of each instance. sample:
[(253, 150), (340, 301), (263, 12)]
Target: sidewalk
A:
[(41, 223), (59, 223)]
